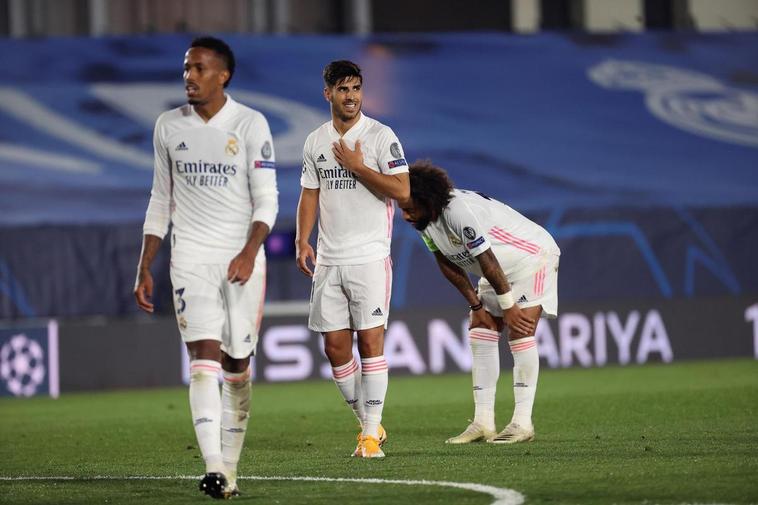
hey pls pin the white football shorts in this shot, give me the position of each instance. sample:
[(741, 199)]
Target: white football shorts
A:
[(209, 307), (353, 297), (538, 287)]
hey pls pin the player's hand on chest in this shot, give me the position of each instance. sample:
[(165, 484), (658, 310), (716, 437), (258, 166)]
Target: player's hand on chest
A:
[(349, 153)]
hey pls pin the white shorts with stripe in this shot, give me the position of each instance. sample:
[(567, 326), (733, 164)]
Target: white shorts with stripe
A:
[(355, 297), (209, 307), (538, 287)]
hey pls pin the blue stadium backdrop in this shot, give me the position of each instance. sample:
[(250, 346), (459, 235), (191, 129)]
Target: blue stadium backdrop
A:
[(639, 153)]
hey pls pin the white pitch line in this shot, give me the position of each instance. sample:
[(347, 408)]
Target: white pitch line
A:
[(502, 496)]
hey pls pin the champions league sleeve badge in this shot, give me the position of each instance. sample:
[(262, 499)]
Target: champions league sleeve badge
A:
[(469, 233)]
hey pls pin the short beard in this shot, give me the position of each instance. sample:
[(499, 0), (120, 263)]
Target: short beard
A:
[(421, 224), (345, 118)]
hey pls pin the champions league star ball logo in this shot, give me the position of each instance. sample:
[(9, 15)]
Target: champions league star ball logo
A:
[(688, 100), (22, 365)]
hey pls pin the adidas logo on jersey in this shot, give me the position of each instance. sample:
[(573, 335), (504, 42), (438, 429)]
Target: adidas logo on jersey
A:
[(377, 312), (247, 339), (522, 299), (321, 157), (181, 147)]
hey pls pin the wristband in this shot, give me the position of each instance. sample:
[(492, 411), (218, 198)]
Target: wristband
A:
[(476, 307), (505, 300)]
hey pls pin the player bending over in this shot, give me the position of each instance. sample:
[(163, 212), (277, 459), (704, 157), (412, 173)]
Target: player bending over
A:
[(517, 262)]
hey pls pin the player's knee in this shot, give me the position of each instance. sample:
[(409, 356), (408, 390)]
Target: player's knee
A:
[(204, 349), (338, 352), (234, 365), (368, 348)]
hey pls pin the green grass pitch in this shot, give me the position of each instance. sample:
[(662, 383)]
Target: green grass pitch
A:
[(656, 434)]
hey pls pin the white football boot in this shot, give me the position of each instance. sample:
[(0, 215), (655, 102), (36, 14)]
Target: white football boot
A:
[(514, 433), (473, 433)]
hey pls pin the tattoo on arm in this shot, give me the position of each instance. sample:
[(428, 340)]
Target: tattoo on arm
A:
[(493, 272), (457, 277)]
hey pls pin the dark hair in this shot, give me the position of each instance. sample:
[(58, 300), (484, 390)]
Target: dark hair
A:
[(222, 49), (430, 187), (337, 71)]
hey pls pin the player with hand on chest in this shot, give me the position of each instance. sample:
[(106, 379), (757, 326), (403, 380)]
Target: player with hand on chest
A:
[(353, 169)]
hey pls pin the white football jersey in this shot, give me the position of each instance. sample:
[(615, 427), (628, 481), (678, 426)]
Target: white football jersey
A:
[(355, 224), (211, 181), (473, 222)]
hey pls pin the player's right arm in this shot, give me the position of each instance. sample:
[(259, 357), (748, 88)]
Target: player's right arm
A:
[(460, 279), (392, 180), (143, 290), (457, 277), (307, 211), (157, 219)]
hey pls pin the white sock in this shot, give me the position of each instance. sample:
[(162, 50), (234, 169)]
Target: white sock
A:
[(348, 380), (374, 384), (235, 402), (205, 405), (485, 371), (526, 369)]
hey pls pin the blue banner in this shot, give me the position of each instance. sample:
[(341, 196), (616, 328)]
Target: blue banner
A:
[(541, 121), (637, 152)]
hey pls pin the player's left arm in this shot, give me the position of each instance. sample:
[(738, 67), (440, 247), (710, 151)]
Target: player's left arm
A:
[(395, 184), (514, 317), (241, 267), (463, 221), (264, 195)]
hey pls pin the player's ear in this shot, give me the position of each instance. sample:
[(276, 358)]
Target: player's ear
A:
[(327, 95), (223, 76)]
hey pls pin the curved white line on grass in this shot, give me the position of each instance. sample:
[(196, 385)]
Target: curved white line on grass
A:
[(502, 496)]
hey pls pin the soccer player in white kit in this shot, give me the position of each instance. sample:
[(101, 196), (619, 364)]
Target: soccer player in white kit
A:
[(215, 182), (353, 168), (517, 263)]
